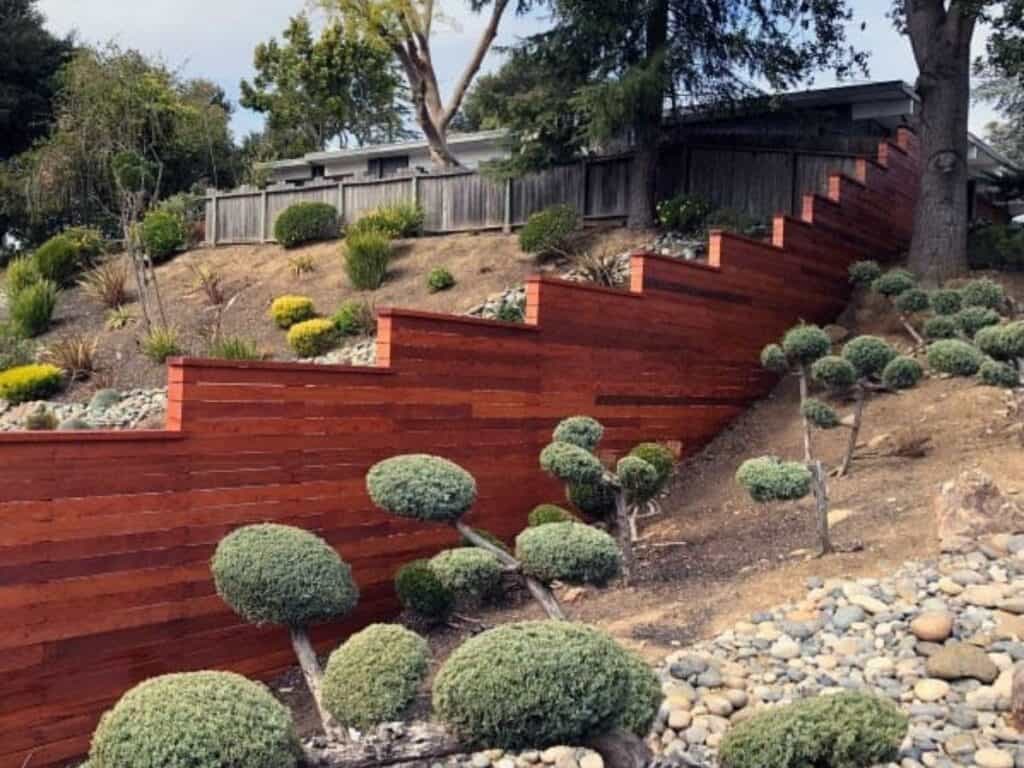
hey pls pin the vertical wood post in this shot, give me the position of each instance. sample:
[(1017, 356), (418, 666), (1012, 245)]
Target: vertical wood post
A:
[(212, 234), (415, 188), (794, 184), (263, 216), (341, 202), (583, 188), (506, 226)]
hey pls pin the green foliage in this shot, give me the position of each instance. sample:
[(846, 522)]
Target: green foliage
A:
[(163, 234), (596, 499), (534, 684), (804, 344), (582, 431), (35, 381), (421, 486), (683, 213), (571, 464), (996, 246), (312, 337), (845, 730), (366, 259), (511, 312), (571, 552), (914, 300), (543, 514), (836, 373), (983, 292), (954, 357), (355, 317), (643, 696), (901, 373), (196, 720), (997, 374), (20, 274), (391, 221), (286, 311), (234, 348), (301, 223), (774, 359), (547, 232), (946, 301), (730, 220), (31, 309), (868, 355), (161, 343), (42, 419), (373, 677), (420, 590), (1003, 342), (864, 273), (280, 574), (439, 279), (59, 259), (768, 479), (639, 479), (940, 327), (972, 319), (15, 349), (472, 574), (190, 210), (658, 456), (819, 414), (894, 282)]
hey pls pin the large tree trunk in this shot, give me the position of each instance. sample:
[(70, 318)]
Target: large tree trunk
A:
[(647, 124), (942, 48)]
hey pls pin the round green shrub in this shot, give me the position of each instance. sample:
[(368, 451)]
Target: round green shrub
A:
[(983, 292), (21, 272), (35, 381), (89, 243), (572, 552), (582, 431), (396, 220), (1003, 342), (354, 317), (868, 355), (543, 514), (420, 590), (58, 260), (366, 259), (196, 720), (836, 373), (940, 327), (946, 301), (280, 574), (997, 374), (914, 300), (31, 309), (312, 337), (806, 343), (955, 357), (305, 223), (638, 478), (163, 234), (571, 463), (768, 479), (894, 282), (658, 456), (774, 359), (374, 676), (533, 684), (439, 279), (286, 311), (471, 574), (643, 696), (864, 273), (901, 373), (973, 319), (819, 414), (15, 349), (595, 499), (548, 231), (421, 486), (845, 730)]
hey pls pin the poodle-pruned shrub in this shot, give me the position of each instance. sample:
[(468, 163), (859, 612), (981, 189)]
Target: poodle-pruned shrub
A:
[(845, 730), (595, 499), (420, 590), (374, 676), (543, 514), (972, 319), (940, 327), (894, 282), (536, 684), (946, 302), (983, 292), (868, 355), (819, 414), (901, 373), (913, 301), (570, 552), (305, 223), (643, 696), (769, 479), (196, 720), (571, 463), (658, 456), (804, 344), (864, 273), (421, 486), (954, 357), (581, 431), (470, 573), (899, 287), (996, 374), (1004, 343)]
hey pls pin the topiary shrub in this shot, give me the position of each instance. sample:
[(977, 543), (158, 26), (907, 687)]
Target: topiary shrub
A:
[(311, 338), (845, 730), (983, 292), (658, 456), (286, 311), (543, 514), (894, 282), (911, 301), (637, 478), (366, 259), (768, 479), (997, 374), (373, 677), (439, 279), (868, 355), (306, 223), (58, 260), (864, 273), (901, 373), (946, 302), (35, 381), (470, 573), (31, 309), (836, 373), (1003, 342), (571, 552), (571, 464), (820, 414), (805, 343), (533, 684), (774, 359), (940, 327), (196, 720), (581, 431), (355, 317), (163, 234), (954, 357), (421, 591), (421, 486), (643, 697), (20, 274), (594, 499), (973, 319), (547, 232)]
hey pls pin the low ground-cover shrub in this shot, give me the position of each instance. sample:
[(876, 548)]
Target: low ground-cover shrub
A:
[(543, 514), (286, 311), (768, 479), (683, 213), (366, 259), (548, 232), (983, 292), (940, 327), (196, 720), (311, 338), (901, 373), (469, 573), (972, 319), (420, 590), (569, 551), (305, 223), (163, 234), (392, 221), (997, 374), (955, 357), (234, 348), (439, 279), (946, 301), (355, 317), (31, 309)]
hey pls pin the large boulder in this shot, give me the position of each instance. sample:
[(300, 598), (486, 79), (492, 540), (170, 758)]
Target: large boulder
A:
[(956, 661), (972, 506)]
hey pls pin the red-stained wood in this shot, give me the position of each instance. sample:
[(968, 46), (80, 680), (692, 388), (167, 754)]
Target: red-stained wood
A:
[(105, 538)]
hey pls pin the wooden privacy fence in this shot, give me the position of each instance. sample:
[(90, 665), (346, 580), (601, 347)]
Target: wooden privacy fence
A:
[(755, 181), (105, 537)]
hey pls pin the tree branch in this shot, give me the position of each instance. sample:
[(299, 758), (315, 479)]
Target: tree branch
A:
[(472, 67)]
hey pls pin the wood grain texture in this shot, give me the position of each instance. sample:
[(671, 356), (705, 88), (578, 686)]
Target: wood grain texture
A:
[(105, 538)]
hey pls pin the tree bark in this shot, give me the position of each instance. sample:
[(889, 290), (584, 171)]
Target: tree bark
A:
[(858, 416), (311, 671), (647, 124), (622, 525), (941, 41), (821, 506), (802, 378)]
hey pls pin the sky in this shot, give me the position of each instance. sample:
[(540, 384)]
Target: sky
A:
[(215, 39)]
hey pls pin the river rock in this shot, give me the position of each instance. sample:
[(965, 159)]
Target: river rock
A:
[(932, 626), (956, 661)]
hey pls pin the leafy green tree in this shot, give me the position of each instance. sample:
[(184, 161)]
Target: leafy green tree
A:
[(314, 91)]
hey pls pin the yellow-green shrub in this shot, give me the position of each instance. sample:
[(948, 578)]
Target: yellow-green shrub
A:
[(289, 310), (30, 382), (312, 337)]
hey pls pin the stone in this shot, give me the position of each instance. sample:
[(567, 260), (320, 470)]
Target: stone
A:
[(972, 506), (847, 616), (959, 744), (993, 758), (870, 604), (104, 399), (552, 755), (785, 648), (932, 626), (931, 689), (1013, 605), (480, 760), (718, 705), (592, 760), (1009, 626), (679, 719), (985, 595), (695, 735), (959, 660)]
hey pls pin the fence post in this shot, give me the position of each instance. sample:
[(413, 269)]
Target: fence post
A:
[(415, 188), (212, 236), (263, 216), (341, 202), (506, 225), (583, 188)]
